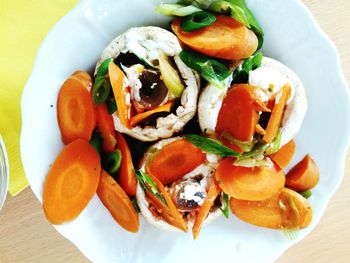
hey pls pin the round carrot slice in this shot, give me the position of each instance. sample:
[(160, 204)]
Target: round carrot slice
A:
[(304, 175), (175, 160), (75, 111), (118, 203), (225, 38), (285, 210), (71, 182), (249, 183)]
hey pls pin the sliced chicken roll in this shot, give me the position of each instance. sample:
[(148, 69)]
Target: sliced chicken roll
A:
[(184, 191), (270, 108), (155, 92)]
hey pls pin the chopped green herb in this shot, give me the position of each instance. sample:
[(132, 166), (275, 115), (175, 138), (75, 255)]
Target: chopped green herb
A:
[(112, 162), (147, 184), (214, 71), (290, 234), (102, 88), (224, 208), (210, 145), (241, 74), (197, 21), (306, 194), (136, 206), (96, 141), (244, 146), (176, 9), (103, 68), (111, 103)]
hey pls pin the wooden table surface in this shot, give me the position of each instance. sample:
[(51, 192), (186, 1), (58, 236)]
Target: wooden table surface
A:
[(25, 235)]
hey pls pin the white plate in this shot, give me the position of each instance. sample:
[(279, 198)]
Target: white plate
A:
[(76, 42)]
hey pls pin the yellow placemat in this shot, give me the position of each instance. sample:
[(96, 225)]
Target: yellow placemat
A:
[(23, 26)]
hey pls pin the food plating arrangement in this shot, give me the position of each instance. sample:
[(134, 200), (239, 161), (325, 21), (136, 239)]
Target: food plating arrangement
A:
[(185, 126)]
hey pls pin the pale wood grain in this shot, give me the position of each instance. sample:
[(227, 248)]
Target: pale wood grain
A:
[(25, 235)]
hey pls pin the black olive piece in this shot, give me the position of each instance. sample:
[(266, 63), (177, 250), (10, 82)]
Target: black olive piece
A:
[(153, 90)]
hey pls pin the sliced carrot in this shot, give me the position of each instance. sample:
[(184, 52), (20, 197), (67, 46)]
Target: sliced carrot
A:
[(208, 203), (277, 113), (106, 127), (71, 182), (304, 175), (141, 116), (249, 183), (118, 203), (239, 115), (117, 79), (167, 211), (284, 155), (126, 175), (285, 210), (175, 160), (75, 111), (83, 77), (259, 129), (225, 38)]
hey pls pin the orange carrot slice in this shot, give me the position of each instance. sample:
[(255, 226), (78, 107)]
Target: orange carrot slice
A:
[(255, 183), (167, 211), (304, 175), (83, 77), (276, 116), (284, 155), (126, 176), (118, 203), (75, 111), (105, 126), (239, 115), (71, 182), (208, 203), (117, 77), (175, 160), (285, 210), (141, 116), (225, 38)]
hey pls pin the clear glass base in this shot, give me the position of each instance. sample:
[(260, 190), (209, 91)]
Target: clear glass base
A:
[(4, 172)]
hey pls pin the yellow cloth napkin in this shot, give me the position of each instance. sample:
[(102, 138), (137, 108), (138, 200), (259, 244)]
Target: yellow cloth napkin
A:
[(23, 26)]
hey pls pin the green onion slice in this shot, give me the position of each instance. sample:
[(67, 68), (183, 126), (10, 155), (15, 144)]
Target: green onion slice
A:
[(197, 21)]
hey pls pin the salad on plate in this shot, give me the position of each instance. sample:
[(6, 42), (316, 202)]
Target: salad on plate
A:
[(183, 126)]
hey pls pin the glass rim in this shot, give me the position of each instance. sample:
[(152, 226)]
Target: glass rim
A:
[(4, 172)]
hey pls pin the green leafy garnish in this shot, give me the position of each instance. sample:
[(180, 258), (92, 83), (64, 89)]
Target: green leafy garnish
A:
[(111, 103), (224, 208), (147, 184), (241, 74), (197, 21), (136, 206), (102, 89), (290, 234), (306, 194), (103, 68), (111, 163), (239, 11), (176, 9), (96, 141), (210, 69), (251, 162), (210, 145), (244, 146), (264, 148)]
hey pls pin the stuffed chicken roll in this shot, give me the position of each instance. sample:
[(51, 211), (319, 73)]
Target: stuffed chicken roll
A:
[(151, 93), (263, 105), (176, 186)]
